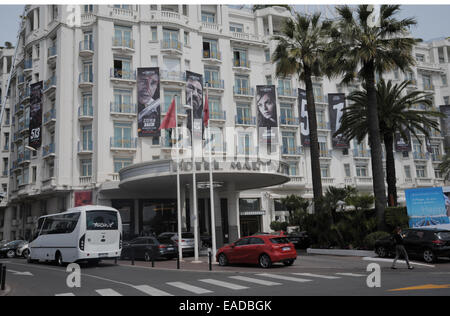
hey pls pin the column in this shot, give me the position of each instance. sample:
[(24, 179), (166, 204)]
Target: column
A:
[(183, 195), (233, 213), (270, 25), (218, 220)]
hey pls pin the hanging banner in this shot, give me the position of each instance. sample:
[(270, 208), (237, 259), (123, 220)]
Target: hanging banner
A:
[(426, 206), (336, 105), (304, 124), (401, 144), (149, 102), (266, 105), (35, 135), (194, 97), (445, 124)]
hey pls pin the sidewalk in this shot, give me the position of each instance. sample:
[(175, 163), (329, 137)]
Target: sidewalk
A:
[(6, 291)]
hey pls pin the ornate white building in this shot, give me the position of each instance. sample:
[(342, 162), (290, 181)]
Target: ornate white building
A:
[(87, 57)]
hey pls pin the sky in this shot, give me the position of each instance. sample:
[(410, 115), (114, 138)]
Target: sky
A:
[(433, 21)]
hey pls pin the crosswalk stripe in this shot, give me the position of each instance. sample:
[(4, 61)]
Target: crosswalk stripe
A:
[(227, 285), (317, 276), (283, 277), (256, 281), (151, 290), (188, 287), (65, 294), (108, 292), (351, 274)]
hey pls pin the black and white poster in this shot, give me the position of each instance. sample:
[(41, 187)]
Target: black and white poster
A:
[(304, 123), (401, 144), (445, 124), (149, 102), (266, 105), (35, 136), (194, 98), (336, 105)]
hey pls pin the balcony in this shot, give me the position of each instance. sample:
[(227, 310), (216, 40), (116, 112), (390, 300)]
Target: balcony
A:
[(246, 151), (124, 45), (85, 180), (412, 82), (51, 55), (169, 77), (123, 109), (420, 156), (437, 157), (361, 153), (86, 80), (50, 117), (243, 92), (220, 116), (24, 95), (291, 151), (212, 56), (239, 64), (428, 67), (170, 15), (50, 84), (24, 157), (20, 80), (122, 76), (364, 181), (325, 153), (246, 121), (85, 113), (428, 87), (86, 48), (18, 109), (323, 125), (48, 151), (289, 121), (85, 147), (320, 99), (210, 27), (24, 125), (287, 93), (172, 47), (17, 137), (244, 37), (123, 144), (218, 85), (28, 66)]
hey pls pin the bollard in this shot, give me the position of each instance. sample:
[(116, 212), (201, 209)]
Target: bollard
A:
[(3, 273), (153, 261), (115, 260), (210, 260), (132, 256), (178, 262)]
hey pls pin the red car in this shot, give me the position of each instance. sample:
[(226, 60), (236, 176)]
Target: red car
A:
[(262, 249)]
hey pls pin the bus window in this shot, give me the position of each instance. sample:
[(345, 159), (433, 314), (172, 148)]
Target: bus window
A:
[(101, 220), (38, 228)]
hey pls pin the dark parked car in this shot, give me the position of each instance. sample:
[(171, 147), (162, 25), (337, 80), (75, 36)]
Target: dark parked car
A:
[(425, 243), (262, 249), (149, 248), (9, 249), (301, 240)]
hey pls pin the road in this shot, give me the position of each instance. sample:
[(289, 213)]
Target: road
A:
[(310, 275)]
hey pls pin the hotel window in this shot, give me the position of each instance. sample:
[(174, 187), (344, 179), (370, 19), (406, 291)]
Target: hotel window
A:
[(185, 10), (87, 74), (217, 140), (122, 101), (208, 17), (122, 68), (417, 146), (407, 172), (122, 135), (87, 109), (405, 154), (169, 95), (33, 174), (88, 41), (267, 55), (323, 148), (86, 137), (154, 61), (86, 167), (293, 168), (318, 92), (236, 27), (172, 66), (51, 169), (347, 170), (154, 31), (88, 8), (210, 49), (170, 37), (444, 79), (446, 100), (243, 111), (421, 171), (286, 113), (361, 171), (245, 143), (284, 85), (441, 55), (325, 171), (320, 115), (427, 82), (240, 58), (215, 108), (212, 76), (26, 176), (269, 80), (288, 140), (186, 39), (123, 6), (241, 85), (54, 9), (120, 163), (122, 36), (420, 57), (437, 173)]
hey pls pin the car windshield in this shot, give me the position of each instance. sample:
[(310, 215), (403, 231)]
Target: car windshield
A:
[(187, 235), (444, 235), (14, 243), (165, 240), (280, 240)]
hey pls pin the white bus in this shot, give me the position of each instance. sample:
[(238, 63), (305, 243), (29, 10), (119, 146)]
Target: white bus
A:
[(86, 233)]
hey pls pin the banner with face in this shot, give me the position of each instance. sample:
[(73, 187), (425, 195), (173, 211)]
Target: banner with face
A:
[(401, 144), (35, 135), (149, 105), (266, 105), (194, 97), (304, 123), (336, 105)]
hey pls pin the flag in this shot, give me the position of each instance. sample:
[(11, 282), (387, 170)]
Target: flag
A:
[(206, 111), (169, 120)]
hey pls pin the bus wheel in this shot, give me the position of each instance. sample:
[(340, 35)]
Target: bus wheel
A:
[(59, 259)]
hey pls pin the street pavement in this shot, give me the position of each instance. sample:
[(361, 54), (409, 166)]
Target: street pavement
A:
[(310, 275)]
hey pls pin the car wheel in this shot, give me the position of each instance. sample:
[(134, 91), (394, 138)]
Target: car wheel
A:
[(11, 254), (223, 261), (381, 252), (265, 261), (26, 253), (429, 256), (288, 262)]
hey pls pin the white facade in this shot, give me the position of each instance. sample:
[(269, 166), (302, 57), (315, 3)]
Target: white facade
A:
[(75, 55)]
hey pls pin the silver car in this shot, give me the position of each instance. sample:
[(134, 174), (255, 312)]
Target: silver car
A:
[(187, 240), (23, 251)]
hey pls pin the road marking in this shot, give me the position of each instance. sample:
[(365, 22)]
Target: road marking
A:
[(422, 287), (398, 261), (65, 294), (252, 280), (108, 292), (151, 290), (351, 274), (317, 276), (283, 277), (19, 273), (190, 288), (227, 285)]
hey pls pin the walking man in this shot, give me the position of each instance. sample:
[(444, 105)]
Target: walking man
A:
[(400, 248)]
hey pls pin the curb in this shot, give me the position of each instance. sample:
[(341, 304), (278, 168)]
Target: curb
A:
[(6, 291), (341, 252)]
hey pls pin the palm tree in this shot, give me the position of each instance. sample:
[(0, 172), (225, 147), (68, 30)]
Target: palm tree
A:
[(395, 115), (299, 52), (444, 166), (359, 49)]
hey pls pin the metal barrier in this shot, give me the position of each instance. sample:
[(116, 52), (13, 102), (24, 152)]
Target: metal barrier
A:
[(2, 276)]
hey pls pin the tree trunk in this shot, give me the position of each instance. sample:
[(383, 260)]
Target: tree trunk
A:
[(379, 189), (314, 142), (391, 178)]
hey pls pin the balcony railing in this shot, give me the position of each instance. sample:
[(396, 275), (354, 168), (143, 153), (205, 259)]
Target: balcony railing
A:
[(320, 98), (129, 143), (323, 125), (51, 52), (122, 108), (48, 150), (220, 115), (325, 153), (180, 108), (24, 156), (420, 155), (123, 43), (437, 157), (207, 54), (215, 84), (50, 83), (172, 45), (85, 146), (243, 120), (244, 91), (428, 87), (49, 115), (361, 153), (122, 74), (287, 92), (85, 111), (241, 63), (287, 150), (86, 46), (86, 78), (291, 121)]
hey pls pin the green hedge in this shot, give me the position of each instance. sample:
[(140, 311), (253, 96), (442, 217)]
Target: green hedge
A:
[(370, 239), (396, 216)]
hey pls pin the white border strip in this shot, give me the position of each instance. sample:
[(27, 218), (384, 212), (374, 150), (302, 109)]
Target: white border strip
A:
[(399, 261)]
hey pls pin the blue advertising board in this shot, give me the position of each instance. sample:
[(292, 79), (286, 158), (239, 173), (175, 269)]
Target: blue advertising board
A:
[(426, 206)]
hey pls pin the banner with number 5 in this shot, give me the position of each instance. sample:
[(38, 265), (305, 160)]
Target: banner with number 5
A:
[(336, 105), (35, 138)]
